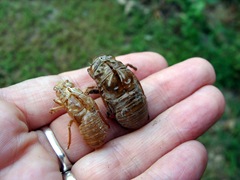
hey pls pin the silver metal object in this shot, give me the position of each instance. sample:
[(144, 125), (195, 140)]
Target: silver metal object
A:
[(66, 165), (68, 176)]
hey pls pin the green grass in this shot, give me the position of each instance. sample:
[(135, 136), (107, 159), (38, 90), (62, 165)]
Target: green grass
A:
[(222, 141), (41, 38)]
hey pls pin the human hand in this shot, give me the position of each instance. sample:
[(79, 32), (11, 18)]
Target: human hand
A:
[(182, 104)]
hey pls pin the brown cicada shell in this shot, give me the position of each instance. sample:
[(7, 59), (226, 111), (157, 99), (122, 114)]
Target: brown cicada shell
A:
[(120, 90), (83, 111)]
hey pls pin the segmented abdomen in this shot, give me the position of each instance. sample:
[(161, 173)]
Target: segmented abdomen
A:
[(93, 129), (130, 109)]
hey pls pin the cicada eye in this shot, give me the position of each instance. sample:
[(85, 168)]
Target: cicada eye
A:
[(109, 57), (68, 84), (102, 57)]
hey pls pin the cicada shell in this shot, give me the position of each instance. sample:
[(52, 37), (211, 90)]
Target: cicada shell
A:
[(120, 90), (83, 111)]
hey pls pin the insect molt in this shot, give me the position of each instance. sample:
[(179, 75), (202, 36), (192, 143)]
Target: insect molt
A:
[(120, 90), (83, 111)]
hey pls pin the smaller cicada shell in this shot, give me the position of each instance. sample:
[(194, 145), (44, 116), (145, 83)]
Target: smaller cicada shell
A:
[(83, 111)]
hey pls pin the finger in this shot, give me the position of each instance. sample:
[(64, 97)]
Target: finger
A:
[(130, 155), (12, 122), (187, 160), (163, 89), (34, 97), (22, 155), (144, 61), (171, 85)]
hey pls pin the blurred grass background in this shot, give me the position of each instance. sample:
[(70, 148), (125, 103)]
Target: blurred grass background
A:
[(48, 37)]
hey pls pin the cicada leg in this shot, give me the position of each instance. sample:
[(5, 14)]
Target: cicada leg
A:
[(92, 90), (111, 115), (70, 132), (55, 109), (131, 66)]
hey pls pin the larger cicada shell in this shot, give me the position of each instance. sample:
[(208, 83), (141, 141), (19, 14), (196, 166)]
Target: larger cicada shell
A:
[(120, 90), (83, 111)]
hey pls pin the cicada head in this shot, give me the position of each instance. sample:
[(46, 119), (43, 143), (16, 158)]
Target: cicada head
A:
[(99, 68), (61, 89)]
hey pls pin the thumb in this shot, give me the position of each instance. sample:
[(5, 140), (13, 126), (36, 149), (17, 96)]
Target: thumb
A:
[(12, 127)]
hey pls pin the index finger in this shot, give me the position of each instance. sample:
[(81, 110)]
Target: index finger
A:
[(34, 97)]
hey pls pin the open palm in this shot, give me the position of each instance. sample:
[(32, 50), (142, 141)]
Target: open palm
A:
[(182, 104)]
